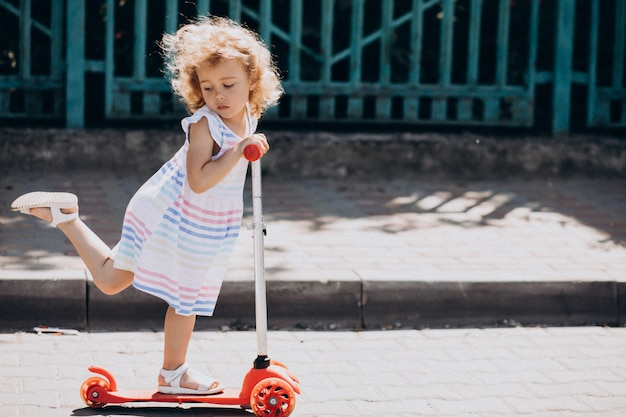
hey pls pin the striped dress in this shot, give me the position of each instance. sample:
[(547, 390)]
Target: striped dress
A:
[(178, 242)]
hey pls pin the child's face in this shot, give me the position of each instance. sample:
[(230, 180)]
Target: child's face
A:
[(225, 87)]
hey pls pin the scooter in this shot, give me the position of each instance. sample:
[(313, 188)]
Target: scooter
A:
[(268, 388)]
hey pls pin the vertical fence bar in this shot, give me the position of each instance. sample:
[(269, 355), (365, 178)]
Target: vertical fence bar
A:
[(473, 43), (618, 46), (503, 43), (75, 57), (26, 41), (56, 46), (445, 47), (298, 102), (265, 21), (203, 7), (533, 40), (171, 16), (411, 104), (592, 103), (465, 104), (355, 104), (383, 101), (56, 52), (141, 30), (523, 107), (235, 9), (295, 28), (618, 57), (440, 104), (327, 101), (563, 66), (109, 57)]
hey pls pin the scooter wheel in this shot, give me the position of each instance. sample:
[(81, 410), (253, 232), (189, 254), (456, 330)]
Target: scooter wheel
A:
[(88, 392), (272, 397)]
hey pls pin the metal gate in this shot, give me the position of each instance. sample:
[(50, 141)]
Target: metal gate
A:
[(31, 60), (412, 62)]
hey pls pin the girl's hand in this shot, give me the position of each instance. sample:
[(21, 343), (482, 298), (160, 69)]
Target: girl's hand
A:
[(257, 139)]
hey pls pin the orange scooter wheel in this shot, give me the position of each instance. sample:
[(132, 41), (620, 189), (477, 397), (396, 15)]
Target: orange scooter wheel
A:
[(272, 397), (87, 391)]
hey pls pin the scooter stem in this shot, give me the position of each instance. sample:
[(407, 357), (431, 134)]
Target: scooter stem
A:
[(258, 231)]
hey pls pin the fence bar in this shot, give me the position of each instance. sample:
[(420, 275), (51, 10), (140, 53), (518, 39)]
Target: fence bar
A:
[(141, 30), (356, 32), (445, 48), (383, 101), (503, 43), (235, 9), (618, 47), (533, 41), (56, 53), (26, 41), (355, 104), (593, 63), (265, 21), (75, 76), (327, 101), (295, 28), (563, 66), (203, 7), (385, 42), (411, 104), (474, 42), (171, 16), (109, 64), (327, 40)]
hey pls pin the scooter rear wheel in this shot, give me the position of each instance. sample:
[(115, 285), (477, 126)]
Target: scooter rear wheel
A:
[(87, 391), (272, 397)]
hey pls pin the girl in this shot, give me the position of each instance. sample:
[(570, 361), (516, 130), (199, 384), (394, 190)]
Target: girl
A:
[(180, 227)]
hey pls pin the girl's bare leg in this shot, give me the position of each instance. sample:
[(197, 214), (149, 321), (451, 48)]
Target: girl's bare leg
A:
[(93, 251), (178, 330)]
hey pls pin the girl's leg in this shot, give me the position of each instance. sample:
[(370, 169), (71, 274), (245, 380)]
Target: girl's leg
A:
[(93, 251), (177, 331)]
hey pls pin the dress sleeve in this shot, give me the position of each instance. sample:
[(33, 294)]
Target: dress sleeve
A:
[(213, 120)]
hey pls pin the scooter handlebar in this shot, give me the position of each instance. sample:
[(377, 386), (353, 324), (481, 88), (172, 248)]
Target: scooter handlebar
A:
[(252, 152)]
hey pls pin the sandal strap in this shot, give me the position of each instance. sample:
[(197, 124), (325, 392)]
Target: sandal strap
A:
[(173, 377), (59, 217)]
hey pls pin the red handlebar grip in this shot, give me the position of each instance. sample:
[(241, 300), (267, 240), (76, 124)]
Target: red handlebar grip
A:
[(252, 152)]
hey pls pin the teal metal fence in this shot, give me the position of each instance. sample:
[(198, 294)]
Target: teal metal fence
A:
[(413, 62)]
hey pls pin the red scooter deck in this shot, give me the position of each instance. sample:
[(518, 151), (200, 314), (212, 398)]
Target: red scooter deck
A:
[(227, 397), (272, 389)]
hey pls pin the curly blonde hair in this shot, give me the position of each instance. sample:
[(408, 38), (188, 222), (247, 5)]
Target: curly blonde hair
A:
[(211, 40)]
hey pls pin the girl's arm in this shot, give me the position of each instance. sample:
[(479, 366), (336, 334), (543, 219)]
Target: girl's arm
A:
[(202, 173)]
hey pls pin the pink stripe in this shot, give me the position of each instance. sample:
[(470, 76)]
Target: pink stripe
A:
[(163, 282), (137, 224), (229, 220), (210, 212)]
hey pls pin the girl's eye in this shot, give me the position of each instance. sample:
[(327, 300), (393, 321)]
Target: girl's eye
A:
[(228, 85)]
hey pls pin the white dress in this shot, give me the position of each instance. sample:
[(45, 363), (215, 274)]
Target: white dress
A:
[(178, 242)]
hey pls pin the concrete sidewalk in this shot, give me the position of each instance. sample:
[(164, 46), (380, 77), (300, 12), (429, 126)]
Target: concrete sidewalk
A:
[(349, 254), (539, 372)]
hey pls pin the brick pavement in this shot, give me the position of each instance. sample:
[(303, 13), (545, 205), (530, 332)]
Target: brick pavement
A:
[(539, 372)]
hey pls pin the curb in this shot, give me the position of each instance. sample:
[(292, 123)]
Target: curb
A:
[(76, 303)]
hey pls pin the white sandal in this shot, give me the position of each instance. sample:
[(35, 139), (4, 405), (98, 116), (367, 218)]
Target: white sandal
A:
[(54, 201), (173, 379)]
